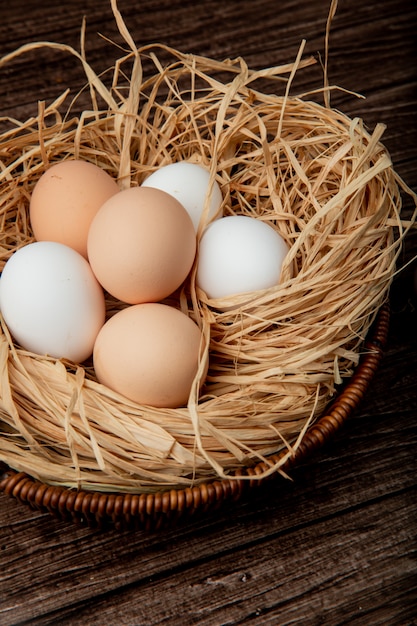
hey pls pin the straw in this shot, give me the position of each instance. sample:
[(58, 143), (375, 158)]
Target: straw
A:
[(276, 357)]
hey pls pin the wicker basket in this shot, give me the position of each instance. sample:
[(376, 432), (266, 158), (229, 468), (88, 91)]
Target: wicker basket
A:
[(153, 511), (316, 176)]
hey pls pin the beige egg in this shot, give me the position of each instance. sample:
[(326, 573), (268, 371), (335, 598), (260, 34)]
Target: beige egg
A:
[(149, 353), (141, 245), (66, 198)]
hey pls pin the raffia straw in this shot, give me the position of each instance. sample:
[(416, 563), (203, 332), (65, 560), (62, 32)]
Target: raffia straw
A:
[(275, 357)]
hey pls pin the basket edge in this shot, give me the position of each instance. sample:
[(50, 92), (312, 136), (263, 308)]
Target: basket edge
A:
[(154, 510)]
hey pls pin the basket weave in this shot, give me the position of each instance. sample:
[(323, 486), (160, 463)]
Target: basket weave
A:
[(153, 511), (75, 448)]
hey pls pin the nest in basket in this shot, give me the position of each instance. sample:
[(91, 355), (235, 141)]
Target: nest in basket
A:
[(275, 361)]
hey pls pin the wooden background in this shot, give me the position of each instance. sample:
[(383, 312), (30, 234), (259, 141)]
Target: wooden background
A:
[(337, 545)]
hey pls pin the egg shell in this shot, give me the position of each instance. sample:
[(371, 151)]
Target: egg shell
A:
[(141, 245), (239, 254), (189, 183), (149, 353), (65, 200), (51, 301)]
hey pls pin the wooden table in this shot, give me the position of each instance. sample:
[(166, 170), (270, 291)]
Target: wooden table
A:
[(337, 544)]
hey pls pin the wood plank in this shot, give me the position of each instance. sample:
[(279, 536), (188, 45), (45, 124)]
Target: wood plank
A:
[(247, 590), (350, 556)]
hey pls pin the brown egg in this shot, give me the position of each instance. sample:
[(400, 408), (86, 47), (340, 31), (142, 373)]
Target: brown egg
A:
[(141, 245), (66, 198), (149, 353)]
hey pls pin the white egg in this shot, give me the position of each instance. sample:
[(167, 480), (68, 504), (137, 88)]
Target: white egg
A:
[(239, 254), (189, 184), (51, 301)]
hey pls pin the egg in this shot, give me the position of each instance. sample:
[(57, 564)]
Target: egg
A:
[(149, 353), (189, 183), (239, 254), (51, 302), (141, 245), (65, 200)]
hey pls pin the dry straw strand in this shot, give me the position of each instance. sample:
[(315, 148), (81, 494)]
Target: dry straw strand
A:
[(275, 358)]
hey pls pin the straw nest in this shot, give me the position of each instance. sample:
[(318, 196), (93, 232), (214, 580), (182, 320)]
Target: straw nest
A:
[(275, 361)]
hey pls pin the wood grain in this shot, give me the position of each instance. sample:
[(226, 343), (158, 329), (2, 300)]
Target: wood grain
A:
[(336, 544)]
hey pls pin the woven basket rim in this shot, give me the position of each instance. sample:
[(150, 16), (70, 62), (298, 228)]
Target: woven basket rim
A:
[(155, 510)]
